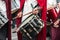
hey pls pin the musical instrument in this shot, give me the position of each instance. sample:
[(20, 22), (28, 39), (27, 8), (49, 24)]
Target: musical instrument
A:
[(31, 26), (3, 20)]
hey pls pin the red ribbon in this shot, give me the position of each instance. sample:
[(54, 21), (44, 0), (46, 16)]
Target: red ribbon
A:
[(8, 10), (18, 20)]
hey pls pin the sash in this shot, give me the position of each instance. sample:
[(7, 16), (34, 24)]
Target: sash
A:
[(8, 10)]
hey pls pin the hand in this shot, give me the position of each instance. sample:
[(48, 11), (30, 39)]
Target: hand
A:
[(56, 23), (56, 26), (19, 15), (15, 31), (35, 11)]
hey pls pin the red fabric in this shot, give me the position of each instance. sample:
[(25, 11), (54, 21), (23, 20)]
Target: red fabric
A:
[(58, 30), (42, 34), (8, 10), (18, 20), (54, 31), (53, 14)]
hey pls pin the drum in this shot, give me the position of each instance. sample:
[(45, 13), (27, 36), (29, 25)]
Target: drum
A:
[(3, 20), (31, 26)]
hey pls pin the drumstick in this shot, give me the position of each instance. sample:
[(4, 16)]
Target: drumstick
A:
[(25, 14)]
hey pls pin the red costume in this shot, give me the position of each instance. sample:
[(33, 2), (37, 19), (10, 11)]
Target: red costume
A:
[(55, 32), (52, 15), (58, 29)]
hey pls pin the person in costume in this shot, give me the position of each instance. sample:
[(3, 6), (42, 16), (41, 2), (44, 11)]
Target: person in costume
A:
[(41, 3), (29, 5), (57, 22), (51, 4), (52, 10)]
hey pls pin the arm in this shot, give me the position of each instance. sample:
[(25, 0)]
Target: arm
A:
[(56, 23)]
